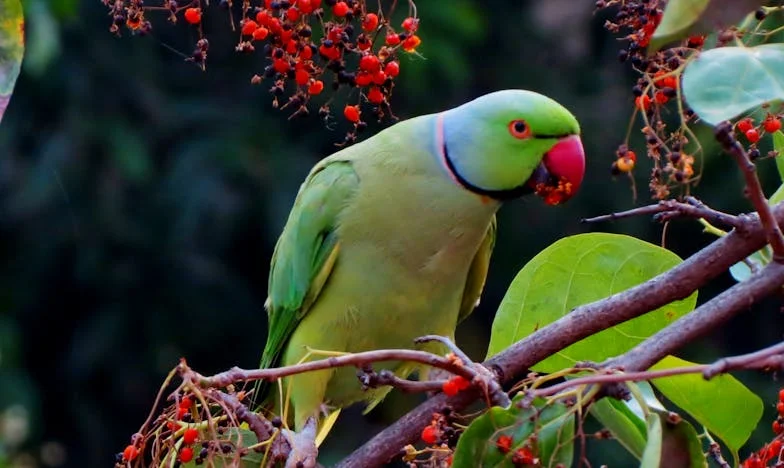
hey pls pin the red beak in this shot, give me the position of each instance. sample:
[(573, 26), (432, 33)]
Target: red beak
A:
[(561, 171)]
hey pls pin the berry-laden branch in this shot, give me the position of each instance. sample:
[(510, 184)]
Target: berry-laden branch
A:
[(512, 364), (724, 135)]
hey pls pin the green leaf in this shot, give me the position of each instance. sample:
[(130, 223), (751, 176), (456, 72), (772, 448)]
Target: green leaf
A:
[(723, 83), (626, 427), (11, 48), (671, 444), (684, 17), (577, 270), (679, 16), (553, 425), (778, 146), (723, 405)]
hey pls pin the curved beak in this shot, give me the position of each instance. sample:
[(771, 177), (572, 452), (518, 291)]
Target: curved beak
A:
[(559, 175)]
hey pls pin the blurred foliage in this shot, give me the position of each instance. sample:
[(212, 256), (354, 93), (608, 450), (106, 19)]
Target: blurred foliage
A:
[(140, 200)]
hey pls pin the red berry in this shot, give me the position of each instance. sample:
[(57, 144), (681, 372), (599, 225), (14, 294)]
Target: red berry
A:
[(643, 102), (777, 429), (249, 27), (316, 87), (660, 97), (504, 443), (524, 456), (189, 436), (369, 63), (181, 412), (193, 15), (306, 53), (172, 426), (292, 14), (274, 26), (379, 77), (461, 382), (260, 34), (335, 33), (752, 135), (281, 65), (332, 53), (263, 18), (305, 6), (392, 69), (781, 394), (774, 449), (340, 9), (450, 388), (186, 454), (302, 77), (410, 24), (186, 402), (696, 41), (392, 39), (631, 155), (351, 113), (745, 125), (411, 43), (780, 408), (429, 435), (292, 46), (363, 79), (772, 124), (375, 96), (130, 453), (370, 22)]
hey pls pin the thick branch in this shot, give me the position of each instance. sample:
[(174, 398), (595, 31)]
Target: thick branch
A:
[(583, 321)]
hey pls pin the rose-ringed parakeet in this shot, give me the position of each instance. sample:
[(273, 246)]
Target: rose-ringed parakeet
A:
[(390, 239)]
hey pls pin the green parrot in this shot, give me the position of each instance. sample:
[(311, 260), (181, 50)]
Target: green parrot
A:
[(390, 239)]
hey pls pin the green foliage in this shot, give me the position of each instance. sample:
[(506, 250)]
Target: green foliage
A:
[(672, 443), (11, 48), (577, 270), (553, 425), (723, 83), (723, 405), (626, 427)]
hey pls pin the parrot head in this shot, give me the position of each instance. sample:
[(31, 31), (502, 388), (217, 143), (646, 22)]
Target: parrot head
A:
[(510, 143)]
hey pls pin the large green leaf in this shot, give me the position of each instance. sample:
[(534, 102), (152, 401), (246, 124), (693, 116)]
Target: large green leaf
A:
[(11, 48), (671, 443), (626, 427), (723, 83), (684, 17), (552, 424), (723, 405), (577, 270)]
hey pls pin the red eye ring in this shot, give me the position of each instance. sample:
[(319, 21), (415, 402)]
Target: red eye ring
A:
[(519, 129)]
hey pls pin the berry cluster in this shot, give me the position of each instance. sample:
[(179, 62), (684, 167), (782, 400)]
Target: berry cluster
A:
[(523, 456), (770, 452), (308, 46)]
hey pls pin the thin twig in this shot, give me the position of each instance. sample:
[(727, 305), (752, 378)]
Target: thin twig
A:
[(669, 209), (372, 379), (753, 188)]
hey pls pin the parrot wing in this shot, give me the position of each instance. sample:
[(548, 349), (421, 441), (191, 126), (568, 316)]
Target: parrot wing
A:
[(477, 273), (306, 251)]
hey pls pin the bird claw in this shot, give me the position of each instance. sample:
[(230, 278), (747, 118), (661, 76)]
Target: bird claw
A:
[(304, 451)]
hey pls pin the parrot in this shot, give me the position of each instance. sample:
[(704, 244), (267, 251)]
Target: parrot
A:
[(390, 239)]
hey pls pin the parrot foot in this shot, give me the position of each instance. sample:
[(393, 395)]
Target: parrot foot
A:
[(304, 451)]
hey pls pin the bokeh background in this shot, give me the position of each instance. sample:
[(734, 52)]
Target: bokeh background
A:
[(140, 199)]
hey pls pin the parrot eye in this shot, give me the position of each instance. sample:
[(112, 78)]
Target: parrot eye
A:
[(519, 129)]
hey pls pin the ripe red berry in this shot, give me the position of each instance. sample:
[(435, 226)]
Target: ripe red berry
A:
[(263, 18), (379, 77), (780, 408), (450, 388), (696, 41), (745, 125), (280, 65), (189, 436), (340, 9), (193, 15), (781, 394), (631, 155), (375, 96), (660, 97), (369, 63), (392, 69), (524, 456), (249, 27), (772, 124), (130, 453), (370, 22), (260, 34), (774, 448), (306, 53), (363, 79), (392, 39), (410, 24), (777, 428), (643, 102), (302, 77), (181, 412), (316, 87), (752, 135), (461, 382), (292, 14), (186, 402), (305, 6), (504, 443), (411, 43), (429, 435), (351, 113), (186, 454)]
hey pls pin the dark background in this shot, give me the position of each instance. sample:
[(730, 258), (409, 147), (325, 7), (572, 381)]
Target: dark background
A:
[(140, 200)]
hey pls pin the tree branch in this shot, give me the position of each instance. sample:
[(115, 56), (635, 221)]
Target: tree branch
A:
[(584, 321)]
